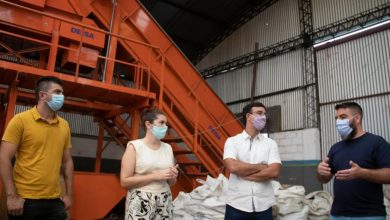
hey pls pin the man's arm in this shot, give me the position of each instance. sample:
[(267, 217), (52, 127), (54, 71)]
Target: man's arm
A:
[(268, 173), (381, 176), (67, 164), (243, 169), (14, 202)]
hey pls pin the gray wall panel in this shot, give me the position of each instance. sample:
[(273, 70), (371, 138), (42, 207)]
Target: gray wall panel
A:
[(274, 74), (79, 124), (291, 105), (280, 73), (234, 85), (277, 23), (329, 11), (354, 69)]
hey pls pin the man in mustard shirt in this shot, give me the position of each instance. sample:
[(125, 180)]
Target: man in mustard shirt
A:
[(40, 142)]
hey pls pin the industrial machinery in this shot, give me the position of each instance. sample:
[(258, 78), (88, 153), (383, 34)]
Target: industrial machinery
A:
[(114, 60)]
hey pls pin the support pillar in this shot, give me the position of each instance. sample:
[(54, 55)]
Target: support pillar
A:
[(108, 71), (309, 76), (54, 46), (9, 113), (99, 149), (135, 124)]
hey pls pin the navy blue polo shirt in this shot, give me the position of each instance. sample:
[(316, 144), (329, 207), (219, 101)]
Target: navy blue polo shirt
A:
[(359, 197)]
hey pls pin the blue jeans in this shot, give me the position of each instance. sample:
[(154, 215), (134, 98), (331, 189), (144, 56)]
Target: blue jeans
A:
[(235, 214), (45, 209), (357, 218)]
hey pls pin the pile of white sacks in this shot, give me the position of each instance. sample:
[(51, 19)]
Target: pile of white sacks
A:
[(386, 192), (207, 202)]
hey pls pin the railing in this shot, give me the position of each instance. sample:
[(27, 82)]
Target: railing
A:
[(131, 73)]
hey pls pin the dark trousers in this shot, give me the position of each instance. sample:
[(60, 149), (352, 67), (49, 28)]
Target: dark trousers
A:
[(45, 209), (235, 214)]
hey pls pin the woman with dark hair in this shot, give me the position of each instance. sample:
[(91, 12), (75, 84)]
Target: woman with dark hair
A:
[(147, 171)]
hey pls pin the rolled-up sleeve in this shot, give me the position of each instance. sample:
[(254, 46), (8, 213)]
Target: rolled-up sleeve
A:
[(274, 156), (230, 150)]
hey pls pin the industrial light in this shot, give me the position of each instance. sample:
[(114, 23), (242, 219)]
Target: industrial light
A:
[(351, 34)]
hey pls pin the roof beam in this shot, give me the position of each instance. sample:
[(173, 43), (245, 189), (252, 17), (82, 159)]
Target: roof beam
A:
[(179, 39), (251, 13), (359, 21), (196, 13), (255, 56)]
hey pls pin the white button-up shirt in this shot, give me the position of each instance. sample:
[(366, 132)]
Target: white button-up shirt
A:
[(245, 195)]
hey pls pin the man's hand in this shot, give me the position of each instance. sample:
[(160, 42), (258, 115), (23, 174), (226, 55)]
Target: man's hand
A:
[(15, 205), (324, 173), (323, 168), (349, 174), (67, 200)]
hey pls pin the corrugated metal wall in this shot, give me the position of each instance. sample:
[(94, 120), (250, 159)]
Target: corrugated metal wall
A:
[(79, 124), (234, 85), (291, 105), (354, 69), (280, 73), (275, 24), (358, 69), (275, 74), (328, 11)]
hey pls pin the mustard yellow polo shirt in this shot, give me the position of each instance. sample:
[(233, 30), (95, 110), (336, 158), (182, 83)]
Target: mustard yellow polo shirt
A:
[(39, 155)]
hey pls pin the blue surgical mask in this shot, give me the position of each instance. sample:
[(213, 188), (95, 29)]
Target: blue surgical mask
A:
[(56, 102), (342, 126), (159, 132)]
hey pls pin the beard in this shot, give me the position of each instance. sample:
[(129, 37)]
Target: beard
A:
[(353, 132)]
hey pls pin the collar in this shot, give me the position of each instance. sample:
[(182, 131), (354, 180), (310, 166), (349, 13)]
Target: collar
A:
[(37, 116), (247, 136)]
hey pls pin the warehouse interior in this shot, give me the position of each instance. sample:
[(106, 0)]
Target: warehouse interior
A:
[(200, 62)]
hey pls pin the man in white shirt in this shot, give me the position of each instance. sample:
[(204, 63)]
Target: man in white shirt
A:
[(253, 161)]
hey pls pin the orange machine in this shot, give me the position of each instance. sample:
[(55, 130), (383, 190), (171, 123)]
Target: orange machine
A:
[(114, 59)]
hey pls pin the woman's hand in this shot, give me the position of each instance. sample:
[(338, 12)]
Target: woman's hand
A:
[(174, 171), (164, 174)]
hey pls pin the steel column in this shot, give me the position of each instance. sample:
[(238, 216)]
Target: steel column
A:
[(54, 46), (310, 100), (135, 124), (99, 148), (9, 113), (12, 96), (112, 44)]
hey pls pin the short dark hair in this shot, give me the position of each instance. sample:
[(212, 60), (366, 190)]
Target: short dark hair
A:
[(150, 114), (43, 84), (350, 105), (248, 109)]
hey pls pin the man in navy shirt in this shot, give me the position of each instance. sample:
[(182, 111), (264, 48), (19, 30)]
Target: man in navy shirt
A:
[(360, 164)]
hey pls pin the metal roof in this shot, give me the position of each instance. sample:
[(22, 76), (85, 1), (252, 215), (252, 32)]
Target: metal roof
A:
[(197, 26)]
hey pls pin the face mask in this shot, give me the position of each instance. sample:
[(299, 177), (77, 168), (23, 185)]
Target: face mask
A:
[(56, 102), (342, 126), (159, 132), (259, 122)]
